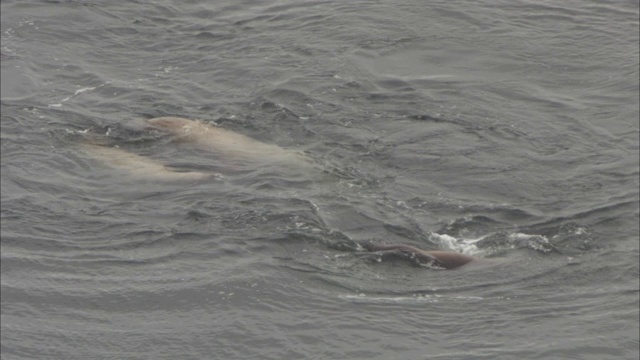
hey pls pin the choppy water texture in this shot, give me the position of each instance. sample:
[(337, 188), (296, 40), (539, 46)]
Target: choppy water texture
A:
[(508, 130)]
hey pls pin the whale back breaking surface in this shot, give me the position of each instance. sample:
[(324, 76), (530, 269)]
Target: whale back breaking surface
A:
[(232, 151), (443, 259), (225, 142), (228, 144)]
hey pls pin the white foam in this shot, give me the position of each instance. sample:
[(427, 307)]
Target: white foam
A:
[(75, 93), (461, 245), (535, 242)]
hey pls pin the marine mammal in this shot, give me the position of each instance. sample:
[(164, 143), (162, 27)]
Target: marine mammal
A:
[(234, 145), (231, 147), (226, 142), (438, 258), (140, 166)]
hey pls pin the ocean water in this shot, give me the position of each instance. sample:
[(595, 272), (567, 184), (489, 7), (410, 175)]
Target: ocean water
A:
[(505, 130)]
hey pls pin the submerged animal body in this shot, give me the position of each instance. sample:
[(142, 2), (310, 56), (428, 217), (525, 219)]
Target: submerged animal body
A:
[(225, 142), (140, 166), (442, 259), (229, 144)]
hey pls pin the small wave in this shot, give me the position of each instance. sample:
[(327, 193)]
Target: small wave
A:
[(494, 242), (414, 299), (76, 93), (534, 242)]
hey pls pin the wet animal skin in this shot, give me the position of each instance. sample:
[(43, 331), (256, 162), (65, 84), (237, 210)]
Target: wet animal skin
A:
[(228, 143), (443, 259)]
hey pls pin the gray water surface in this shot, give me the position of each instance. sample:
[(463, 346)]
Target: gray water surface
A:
[(506, 130)]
